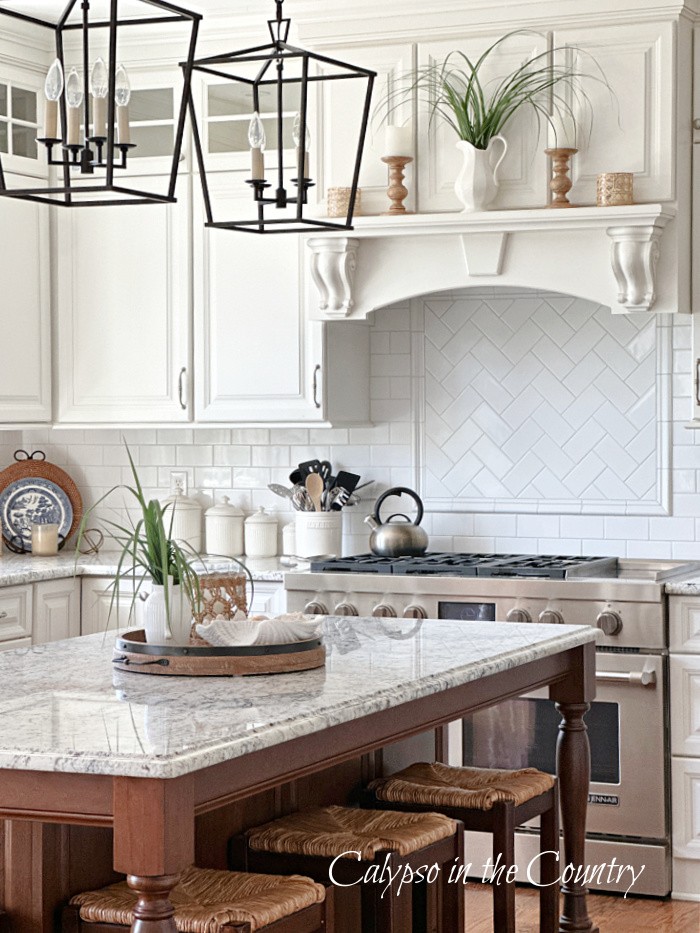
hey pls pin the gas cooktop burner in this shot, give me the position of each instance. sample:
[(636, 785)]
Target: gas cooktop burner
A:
[(474, 565)]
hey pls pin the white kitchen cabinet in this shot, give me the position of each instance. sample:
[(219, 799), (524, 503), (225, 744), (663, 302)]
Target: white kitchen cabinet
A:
[(257, 357), (684, 625), (633, 129), (269, 598), (523, 174), (15, 613), (56, 610), (15, 643), (339, 118), (123, 315), (25, 323), (100, 613)]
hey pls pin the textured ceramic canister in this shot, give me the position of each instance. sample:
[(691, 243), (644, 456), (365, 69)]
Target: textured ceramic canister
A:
[(186, 514), (614, 189), (224, 529), (261, 534)]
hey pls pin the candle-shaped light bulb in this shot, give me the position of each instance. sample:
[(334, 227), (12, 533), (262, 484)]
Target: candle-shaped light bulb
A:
[(296, 136), (257, 141), (122, 96), (53, 88), (74, 99), (99, 86)]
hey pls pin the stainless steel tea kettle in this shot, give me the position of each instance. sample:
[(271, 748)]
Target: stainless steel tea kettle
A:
[(403, 538)]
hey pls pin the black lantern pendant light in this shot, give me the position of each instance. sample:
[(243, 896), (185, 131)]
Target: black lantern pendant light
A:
[(94, 141), (284, 74)]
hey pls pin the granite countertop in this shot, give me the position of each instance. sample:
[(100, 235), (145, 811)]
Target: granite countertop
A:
[(16, 569), (689, 587), (63, 708)]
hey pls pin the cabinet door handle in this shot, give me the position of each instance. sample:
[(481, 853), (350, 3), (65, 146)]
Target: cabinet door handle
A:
[(696, 123), (3, 614), (317, 370), (180, 380)]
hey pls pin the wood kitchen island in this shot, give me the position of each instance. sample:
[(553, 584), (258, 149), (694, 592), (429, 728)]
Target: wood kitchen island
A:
[(82, 745)]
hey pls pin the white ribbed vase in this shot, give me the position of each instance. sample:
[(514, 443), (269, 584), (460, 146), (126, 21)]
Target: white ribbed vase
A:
[(154, 616)]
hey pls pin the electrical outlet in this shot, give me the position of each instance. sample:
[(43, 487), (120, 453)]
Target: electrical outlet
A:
[(178, 483)]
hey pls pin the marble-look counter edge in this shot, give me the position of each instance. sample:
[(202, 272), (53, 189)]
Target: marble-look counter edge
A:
[(683, 587), (18, 570), (227, 748)]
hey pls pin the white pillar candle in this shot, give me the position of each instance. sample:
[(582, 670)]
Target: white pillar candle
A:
[(50, 119), (123, 124), (99, 116), (45, 540), (563, 129), (398, 141), (257, 162), (305, 167), (74, 114)]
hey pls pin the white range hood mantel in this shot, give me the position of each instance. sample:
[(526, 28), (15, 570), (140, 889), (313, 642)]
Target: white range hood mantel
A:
[(623, 257)]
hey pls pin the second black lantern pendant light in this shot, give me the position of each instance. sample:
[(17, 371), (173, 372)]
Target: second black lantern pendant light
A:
[(275, 80)]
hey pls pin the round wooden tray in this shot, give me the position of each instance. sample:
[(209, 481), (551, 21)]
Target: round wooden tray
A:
[(131, 653)]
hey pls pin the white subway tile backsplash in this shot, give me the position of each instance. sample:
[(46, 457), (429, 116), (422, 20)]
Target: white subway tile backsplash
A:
[(546, 476)]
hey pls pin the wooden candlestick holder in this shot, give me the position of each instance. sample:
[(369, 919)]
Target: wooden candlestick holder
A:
[(397, 191), (560, 185)]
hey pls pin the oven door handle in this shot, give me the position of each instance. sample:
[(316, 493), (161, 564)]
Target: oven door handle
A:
[(634, 678)]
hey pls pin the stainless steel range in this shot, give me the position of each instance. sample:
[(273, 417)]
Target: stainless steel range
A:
[(628, 817)]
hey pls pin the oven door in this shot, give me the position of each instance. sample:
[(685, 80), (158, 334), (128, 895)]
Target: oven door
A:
[(626, 728)]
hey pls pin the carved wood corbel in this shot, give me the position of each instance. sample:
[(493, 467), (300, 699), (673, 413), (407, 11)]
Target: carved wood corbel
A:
[(634, 255), (333, 264)]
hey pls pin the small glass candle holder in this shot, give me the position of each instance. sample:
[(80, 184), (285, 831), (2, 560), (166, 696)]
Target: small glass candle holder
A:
[(45, 539), (614, 189)]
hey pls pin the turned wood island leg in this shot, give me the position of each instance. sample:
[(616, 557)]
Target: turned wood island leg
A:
[(574, 772), (153, 843)]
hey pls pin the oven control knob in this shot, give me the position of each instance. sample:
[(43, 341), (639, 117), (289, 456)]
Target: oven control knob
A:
[(414, 612), (315, 608), (552, 617), (382, 611), (609, 622), (345, 609), (518, 615)]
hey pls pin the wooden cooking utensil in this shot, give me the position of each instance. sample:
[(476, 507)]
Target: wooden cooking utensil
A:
[(314, 486)]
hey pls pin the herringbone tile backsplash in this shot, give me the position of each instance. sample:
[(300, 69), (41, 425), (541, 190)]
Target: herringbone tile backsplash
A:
[(553, 426), (531, 400)]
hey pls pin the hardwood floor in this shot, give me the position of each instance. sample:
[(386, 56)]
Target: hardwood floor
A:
[(612, 914)]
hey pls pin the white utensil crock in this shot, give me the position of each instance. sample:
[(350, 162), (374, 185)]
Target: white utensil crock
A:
[(154, 616), (477, 183), (319, 533)]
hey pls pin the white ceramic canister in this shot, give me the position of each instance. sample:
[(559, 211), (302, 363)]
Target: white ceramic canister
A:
[(319, 533), (186, 515), (224, 529), (289, 539), (261, 534)]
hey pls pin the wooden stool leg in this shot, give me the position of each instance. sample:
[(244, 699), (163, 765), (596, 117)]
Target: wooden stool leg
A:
[(153, 912), (549, 867), (503, 890), (390, 913), (452, 894)]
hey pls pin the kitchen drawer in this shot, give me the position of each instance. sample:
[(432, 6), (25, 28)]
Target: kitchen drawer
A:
[(685, 790), (15, 643), (269, 598), (684, 622), (15, 613), (685, 705)]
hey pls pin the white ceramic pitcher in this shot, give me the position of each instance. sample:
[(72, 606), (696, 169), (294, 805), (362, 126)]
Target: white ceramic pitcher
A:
[(477, 182)]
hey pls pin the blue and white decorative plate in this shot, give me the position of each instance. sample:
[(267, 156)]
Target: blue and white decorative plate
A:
[(34, 500)]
